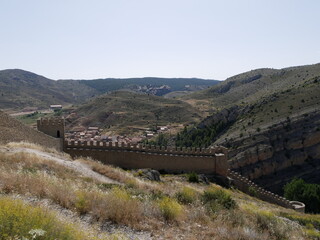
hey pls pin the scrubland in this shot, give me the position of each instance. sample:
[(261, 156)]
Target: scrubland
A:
[(171, 209)]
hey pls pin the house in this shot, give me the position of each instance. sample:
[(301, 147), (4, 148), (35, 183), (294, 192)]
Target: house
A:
[(55, 107)]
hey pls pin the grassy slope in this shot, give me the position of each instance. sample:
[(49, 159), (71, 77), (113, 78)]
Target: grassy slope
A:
[(13, 130), (251, 86), (300, 99), (171, 209), (125, 110), (274, 95)]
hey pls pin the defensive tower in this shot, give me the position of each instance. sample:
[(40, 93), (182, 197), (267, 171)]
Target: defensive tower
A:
[(53, 127)]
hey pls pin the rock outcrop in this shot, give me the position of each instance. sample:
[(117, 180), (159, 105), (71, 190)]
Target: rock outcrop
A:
[(289, 148)]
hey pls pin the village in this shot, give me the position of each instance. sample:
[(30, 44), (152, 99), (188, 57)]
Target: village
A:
[(96, 134)]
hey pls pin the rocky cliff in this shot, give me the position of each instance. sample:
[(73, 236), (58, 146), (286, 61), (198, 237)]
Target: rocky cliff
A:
[(275, 155)]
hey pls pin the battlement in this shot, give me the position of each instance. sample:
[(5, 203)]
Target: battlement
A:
[(217, 151), (168, 159), (249, 187), (50, 121), (52, 126)]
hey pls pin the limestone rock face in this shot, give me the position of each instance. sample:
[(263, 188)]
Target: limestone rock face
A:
[(287, 145)]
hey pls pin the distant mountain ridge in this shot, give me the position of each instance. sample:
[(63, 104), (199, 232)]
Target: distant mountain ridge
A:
[(20, 88)]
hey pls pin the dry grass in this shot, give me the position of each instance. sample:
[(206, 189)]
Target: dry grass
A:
[(19, 221), (31, 146), (143, 205), (116, 174), (121, 176), (38, 147)]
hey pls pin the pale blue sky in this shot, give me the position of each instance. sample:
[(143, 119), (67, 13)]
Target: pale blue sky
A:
[(82, 39)]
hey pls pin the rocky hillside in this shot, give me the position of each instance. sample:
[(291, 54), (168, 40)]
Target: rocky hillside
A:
[(273, 156), (271, 123), (14, 131)]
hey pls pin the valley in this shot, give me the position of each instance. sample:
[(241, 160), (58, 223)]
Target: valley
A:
[(268, 119)]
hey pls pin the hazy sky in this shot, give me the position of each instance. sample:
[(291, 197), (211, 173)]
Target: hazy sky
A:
[(82, 39)]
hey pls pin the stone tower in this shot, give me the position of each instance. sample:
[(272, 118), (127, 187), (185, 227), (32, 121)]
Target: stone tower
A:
[(53, 127)]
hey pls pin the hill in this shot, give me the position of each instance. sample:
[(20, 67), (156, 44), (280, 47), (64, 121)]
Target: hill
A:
[(46, 194), (13, 130), (270, 121), (249, 87), (127, 112), (22, 89)]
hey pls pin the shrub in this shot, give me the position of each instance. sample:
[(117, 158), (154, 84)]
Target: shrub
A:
[(118, 206), (193, 177), (186, 196), (81, 202), (309, 194), (252, 191), (212, 197), (278, 229), (19, 220), (170, 208)]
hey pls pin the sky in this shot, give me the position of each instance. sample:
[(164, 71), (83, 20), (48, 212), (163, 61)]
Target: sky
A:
[(211, 39)]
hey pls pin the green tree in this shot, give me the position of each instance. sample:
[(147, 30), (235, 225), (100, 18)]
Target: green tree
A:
[(309, 194)]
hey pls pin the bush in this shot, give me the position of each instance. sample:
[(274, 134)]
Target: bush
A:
[(193, 177), (309, 194), (120, 207), (252, 191), (19, 220), (170, 208), (212, 197), (186, 196), (81, 202)]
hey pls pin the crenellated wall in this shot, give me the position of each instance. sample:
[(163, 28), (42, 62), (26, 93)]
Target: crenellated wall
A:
[(171, 160), (53, 127), (249, 187)]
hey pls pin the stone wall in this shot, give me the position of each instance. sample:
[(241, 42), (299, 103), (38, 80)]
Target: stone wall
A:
[(171, 160), (53, 127), (249, 187)]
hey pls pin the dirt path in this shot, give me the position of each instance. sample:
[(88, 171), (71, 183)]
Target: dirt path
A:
[(79, 167)]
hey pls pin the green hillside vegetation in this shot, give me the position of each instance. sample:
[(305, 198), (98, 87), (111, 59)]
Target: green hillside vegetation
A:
[(298, 100), (168, 209), (249, 87), (299, 190), (127, 112)]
